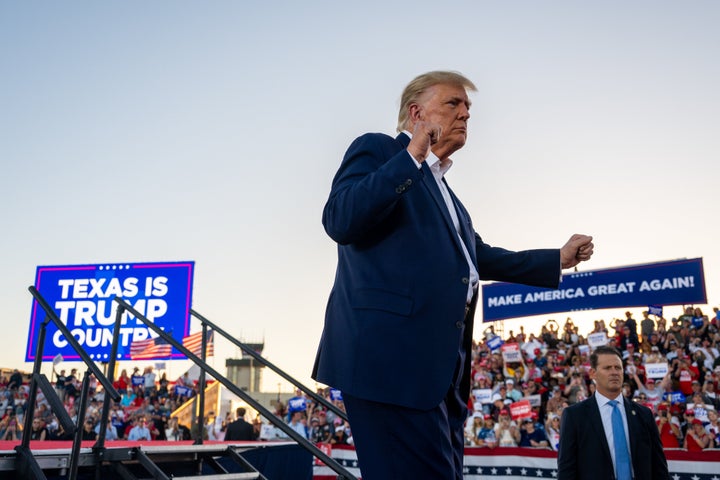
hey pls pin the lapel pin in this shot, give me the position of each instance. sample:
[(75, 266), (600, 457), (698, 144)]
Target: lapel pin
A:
[(633, 412)]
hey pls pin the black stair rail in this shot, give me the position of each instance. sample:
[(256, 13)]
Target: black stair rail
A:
[(56, 405), (303, 442), (201, 397), (27, 461), (247, 349)]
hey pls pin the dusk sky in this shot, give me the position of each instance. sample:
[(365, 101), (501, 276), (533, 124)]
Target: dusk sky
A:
[(210, 131)]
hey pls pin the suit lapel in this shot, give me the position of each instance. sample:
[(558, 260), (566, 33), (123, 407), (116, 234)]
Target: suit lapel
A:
[(634, 426), (596, 424), (432, 187), (466, 232)]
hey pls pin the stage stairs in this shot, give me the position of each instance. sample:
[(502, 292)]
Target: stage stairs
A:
[(217, 461), (192, 461), (111, 460)]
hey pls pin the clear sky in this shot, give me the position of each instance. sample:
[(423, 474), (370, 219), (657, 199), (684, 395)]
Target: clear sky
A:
[(210, 131)]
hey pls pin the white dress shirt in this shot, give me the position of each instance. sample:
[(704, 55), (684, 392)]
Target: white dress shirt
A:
[(438, 172), (606, 415)]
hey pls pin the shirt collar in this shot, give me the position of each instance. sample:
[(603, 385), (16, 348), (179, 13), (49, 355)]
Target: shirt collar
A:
[(603, 400)]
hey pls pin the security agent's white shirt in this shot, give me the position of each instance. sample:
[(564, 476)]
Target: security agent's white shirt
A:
[(606, 416), (438, 172)]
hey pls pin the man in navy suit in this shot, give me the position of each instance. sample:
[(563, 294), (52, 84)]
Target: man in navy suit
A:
[(399, 320), (594, 446), (240, 429)]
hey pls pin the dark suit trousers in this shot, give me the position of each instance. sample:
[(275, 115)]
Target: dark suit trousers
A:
[(403, 443)]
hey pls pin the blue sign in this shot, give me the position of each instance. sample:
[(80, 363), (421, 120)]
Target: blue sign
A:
[(680, 282), (297, 404), (82, 296), (495, 342), (182, 391), (674, 397)]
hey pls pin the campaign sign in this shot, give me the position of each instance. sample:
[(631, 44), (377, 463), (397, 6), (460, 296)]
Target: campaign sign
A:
[(495, 342), (656, 370), (297, 404), (674, 397), (680, 282), (182, 391), (597, 339), (535, 400), (482, 395), (82, 297), (699, 410), (511, 353), (520, 409)]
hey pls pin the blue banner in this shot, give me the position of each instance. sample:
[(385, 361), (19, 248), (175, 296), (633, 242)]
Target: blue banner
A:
[(82, 296), (680, 282)]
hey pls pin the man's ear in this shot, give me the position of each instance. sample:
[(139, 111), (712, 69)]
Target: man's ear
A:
[(414, 112)]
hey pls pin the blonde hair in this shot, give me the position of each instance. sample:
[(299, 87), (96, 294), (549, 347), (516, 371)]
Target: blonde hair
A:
[(421, 83)]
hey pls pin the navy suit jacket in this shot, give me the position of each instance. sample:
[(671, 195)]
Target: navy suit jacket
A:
[(394, 319), (584, 452)]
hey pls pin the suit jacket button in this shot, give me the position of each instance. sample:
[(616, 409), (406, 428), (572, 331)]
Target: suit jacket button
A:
[(399, 190), (465, 280), (408, 182), (459, 324)]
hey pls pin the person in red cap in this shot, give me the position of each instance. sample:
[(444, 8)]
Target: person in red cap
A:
[(669, 429), (697, 439), (324, 431), (685, 374), (486, 435), (506, 431), (652, 390)]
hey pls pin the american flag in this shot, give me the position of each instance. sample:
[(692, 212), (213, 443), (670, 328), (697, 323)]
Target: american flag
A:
[(510, 463), (193, 342), (150, 349)]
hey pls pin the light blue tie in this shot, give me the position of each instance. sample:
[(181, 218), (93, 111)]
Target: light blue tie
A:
[(622, 457)]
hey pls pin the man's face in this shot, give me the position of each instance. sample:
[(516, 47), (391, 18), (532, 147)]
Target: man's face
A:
[(608, 375), (449, 107)]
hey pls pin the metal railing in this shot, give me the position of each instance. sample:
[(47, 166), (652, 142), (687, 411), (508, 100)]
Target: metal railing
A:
[(28, 466), (259, 358), (124, 306)]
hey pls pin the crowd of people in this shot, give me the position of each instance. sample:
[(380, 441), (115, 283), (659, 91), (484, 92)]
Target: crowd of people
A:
[(143, 412), (672, 367)]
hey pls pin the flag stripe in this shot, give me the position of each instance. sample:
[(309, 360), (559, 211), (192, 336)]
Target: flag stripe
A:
[(193, 342), (149, 349)]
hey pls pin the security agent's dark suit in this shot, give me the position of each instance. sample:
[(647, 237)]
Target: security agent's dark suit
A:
[(397, 320), (585, 455), (240, 430)]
